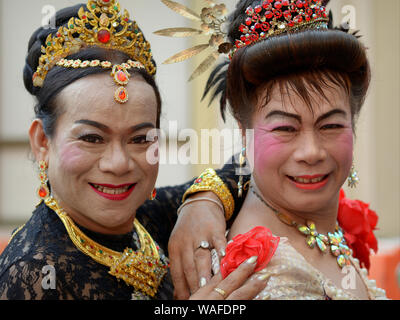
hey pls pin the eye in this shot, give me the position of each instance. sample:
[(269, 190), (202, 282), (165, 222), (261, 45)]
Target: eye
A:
[(332, 126), (140, 140), (285, 129), (91, 138)]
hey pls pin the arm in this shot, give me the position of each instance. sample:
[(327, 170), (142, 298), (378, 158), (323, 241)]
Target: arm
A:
[(159, 216)]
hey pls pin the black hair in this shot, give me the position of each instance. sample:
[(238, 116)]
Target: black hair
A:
[(313, 57)]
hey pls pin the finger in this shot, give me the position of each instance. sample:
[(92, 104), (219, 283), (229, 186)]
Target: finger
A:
[(251, 288), (181, 288), (235, 279), (202, 258), (189, 270), (219, 243), (215, 262)]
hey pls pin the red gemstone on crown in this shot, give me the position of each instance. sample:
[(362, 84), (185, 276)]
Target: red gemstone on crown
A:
[(278, 13), (269, 14), (103, 36), (265, 26), (278, 5), (265, 4)]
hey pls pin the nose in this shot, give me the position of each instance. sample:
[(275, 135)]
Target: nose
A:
[(116, 160), (310, 149)]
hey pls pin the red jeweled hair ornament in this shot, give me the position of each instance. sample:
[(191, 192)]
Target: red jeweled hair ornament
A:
[(273, 18)]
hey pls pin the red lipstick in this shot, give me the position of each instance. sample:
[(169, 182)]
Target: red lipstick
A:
[(114, 197), (310, 185)]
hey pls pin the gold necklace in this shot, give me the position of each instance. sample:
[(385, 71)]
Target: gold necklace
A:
[(335, 240), (143, 269)]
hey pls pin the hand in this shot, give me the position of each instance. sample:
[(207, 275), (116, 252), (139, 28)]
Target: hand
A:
[(236, 286), (197, 221)]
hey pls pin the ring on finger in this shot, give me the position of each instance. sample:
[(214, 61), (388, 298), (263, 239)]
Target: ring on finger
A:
[(204, 245), (221, 292)]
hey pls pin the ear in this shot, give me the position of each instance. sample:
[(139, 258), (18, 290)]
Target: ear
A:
[(39, 141)]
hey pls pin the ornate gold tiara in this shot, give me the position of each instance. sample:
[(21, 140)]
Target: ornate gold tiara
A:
[(102, 26)]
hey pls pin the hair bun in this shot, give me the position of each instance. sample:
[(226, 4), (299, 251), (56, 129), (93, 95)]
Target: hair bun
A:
[(37, 40)]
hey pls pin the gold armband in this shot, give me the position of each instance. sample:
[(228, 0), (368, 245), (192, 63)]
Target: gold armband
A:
[(209, 181)]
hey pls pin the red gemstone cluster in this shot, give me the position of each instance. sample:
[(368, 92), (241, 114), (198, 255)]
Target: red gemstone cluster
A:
[(272, 18)]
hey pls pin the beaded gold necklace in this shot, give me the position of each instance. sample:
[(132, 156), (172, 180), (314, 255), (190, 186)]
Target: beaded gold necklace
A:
[(335, 240), (143, 269)]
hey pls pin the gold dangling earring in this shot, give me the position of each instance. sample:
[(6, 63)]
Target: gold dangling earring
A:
[(353, 179), (153, 194), (242, 161), (43, 191)]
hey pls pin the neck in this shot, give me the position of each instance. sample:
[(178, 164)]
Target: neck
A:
[(325, 219), (88, 223)]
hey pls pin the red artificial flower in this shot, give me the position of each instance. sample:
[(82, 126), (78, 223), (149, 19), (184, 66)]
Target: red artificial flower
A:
[(259, 242), (358, 223)]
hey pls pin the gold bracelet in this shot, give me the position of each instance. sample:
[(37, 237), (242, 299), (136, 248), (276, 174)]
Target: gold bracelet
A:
[(209, 181)]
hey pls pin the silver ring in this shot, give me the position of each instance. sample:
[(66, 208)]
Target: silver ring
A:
[(204, 245)]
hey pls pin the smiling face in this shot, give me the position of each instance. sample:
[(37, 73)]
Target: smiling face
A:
[(301, 157), (98, 169)]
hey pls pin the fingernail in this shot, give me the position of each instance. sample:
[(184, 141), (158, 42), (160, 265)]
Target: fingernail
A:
[(222, 252), (252, 260), (263, 277), (230, 241), (203, 282)]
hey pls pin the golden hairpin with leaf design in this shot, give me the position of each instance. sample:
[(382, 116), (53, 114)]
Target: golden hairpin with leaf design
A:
[(212, 18)]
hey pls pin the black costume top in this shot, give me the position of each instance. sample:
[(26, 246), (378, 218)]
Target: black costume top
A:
[(42, 248)]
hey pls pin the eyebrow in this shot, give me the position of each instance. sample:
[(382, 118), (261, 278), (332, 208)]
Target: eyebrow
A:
[(103, 127), (298, 118)]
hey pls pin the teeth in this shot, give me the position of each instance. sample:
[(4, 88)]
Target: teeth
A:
[(111, 191), (302, 180)]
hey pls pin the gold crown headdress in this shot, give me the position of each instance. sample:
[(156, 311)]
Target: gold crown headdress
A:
[(269, 19), (102, 26)]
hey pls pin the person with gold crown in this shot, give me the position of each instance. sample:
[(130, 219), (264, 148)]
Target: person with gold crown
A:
[(93, 235), (298, 84)]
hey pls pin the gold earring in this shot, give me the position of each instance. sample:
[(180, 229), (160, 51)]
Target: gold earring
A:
[(153, 194), (43, 191), (353, 179)]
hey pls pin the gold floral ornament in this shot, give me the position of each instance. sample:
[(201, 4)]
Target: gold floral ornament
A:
[(212, 18), (102, 26)]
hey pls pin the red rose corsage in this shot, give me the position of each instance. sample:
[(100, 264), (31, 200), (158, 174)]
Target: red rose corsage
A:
[(259, 242), (358, 223)]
